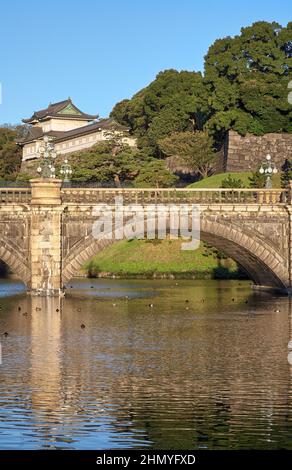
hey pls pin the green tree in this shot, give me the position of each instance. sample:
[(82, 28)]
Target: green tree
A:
[(194, 150), (173, 102), (257, 180), (155, 175), (247, 77), (107, 163), (10, 154), (90, 165), (231, 182), (286, 174)]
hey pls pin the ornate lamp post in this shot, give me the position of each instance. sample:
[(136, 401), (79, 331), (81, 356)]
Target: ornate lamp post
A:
[(66, 170), (268, 168), (47, 154)]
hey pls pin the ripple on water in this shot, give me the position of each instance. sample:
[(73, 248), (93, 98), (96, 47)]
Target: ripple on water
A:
[(213, 376)]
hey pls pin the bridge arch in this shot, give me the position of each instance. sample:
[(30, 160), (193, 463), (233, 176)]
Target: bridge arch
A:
[(262, 262), (14, 260)]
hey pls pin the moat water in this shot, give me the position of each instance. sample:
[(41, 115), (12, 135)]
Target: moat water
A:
[(145, 364)]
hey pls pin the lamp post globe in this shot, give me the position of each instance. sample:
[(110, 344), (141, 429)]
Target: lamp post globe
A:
[(268, 168)]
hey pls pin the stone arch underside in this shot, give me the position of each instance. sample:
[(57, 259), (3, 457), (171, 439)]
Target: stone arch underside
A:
[(11, 256), (263, 263)]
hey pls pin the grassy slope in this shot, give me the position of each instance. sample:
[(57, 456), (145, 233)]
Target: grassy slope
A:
[(215, 181), (159, 257)]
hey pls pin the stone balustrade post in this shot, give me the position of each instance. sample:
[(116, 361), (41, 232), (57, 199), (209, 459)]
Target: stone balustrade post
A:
[(290, 193), (45, 237), (260, 198)]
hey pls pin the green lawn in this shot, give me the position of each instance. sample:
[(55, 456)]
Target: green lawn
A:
[(148, 258), (215, 181)]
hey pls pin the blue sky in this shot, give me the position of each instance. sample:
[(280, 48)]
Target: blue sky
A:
[(102, 51)]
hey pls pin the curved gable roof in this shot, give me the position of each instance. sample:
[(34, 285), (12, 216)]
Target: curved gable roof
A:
[(60, 109)]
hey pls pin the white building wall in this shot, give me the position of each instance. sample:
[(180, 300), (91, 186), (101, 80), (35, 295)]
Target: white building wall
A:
[(30, 151), (62, 124)]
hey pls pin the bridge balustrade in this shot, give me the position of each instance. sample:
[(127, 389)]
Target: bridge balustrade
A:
[(175, 196), (15, 195), (155, 196)]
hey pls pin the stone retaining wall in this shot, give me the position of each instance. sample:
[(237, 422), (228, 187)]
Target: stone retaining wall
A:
[(245, 153)]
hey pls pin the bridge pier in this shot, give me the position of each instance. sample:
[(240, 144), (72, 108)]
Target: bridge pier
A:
[(45, 237)]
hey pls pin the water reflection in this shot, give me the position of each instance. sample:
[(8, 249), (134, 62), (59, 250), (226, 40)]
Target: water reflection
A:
[(205, 367)]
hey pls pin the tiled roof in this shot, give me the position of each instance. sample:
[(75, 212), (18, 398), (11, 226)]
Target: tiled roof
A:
[(53, 110), (35, 133)]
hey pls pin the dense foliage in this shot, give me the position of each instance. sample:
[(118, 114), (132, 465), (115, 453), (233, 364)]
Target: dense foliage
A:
[(247, 78), (257, 180), (173, 102), (286, 175), (193, 150), (245, 88), (10, 154), (124, 166), (231, 182), (155, 175)]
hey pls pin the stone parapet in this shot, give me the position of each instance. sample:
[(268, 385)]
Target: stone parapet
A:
[(46, 192)]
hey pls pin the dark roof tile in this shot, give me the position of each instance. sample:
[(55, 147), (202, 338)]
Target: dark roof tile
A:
[(35, 133), (54, 109)]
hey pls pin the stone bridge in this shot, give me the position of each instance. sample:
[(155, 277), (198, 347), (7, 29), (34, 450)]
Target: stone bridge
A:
[(46, 230)]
